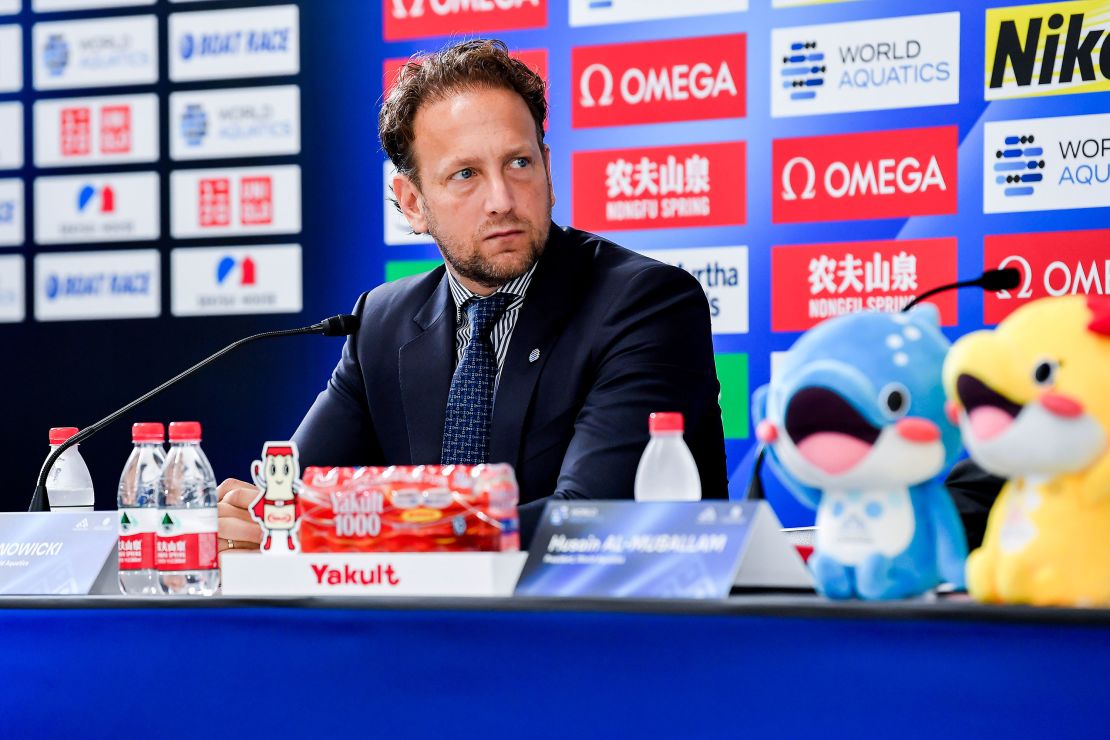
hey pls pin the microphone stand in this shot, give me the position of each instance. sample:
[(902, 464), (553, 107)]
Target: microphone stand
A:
[(335, 326)]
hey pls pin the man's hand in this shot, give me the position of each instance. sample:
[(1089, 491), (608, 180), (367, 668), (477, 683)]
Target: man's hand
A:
[(237, 530)]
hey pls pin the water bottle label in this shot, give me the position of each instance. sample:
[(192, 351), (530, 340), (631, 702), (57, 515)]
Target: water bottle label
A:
[(186, 539), (136, 538)]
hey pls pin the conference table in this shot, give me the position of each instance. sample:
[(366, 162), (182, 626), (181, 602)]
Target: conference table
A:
[(754, 665)]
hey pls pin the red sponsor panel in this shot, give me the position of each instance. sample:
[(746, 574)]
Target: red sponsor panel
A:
[(256, 200), (814, 282), (877, 174), (115, 129), (1051, 264), (76, 132), (410, 19), (214, 201), (660, 187), (659, 81)]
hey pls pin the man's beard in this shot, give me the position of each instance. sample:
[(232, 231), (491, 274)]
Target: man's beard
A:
[(475, 267)]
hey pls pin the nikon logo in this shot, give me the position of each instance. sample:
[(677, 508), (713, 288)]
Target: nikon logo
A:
[(1050, 49)]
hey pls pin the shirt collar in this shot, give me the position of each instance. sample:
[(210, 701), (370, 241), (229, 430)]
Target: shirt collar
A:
[(461, 294)]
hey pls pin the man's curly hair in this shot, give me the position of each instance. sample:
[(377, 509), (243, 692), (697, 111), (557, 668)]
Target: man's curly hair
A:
[(468, 65)]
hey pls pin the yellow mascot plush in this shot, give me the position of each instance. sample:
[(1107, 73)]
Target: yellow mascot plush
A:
[(1032, 399)]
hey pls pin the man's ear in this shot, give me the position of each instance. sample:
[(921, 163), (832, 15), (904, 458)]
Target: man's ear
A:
[(410, 202), (547, 167)]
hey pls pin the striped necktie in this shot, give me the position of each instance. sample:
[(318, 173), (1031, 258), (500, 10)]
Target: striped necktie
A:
[(470, 402)]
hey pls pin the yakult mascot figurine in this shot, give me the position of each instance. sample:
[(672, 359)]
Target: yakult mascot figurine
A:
[(854, 425), (1032, 402), (278, 507)]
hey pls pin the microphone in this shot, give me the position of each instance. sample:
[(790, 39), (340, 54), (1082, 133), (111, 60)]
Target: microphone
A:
[(341, 326), (336, 326), (1007, 278)]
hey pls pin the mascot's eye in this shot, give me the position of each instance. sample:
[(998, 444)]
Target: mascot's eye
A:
[(1045, 372), (285, 468), (894, 400)]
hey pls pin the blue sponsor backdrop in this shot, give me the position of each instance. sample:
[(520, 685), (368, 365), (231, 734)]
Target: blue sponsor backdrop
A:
[(73, 373)]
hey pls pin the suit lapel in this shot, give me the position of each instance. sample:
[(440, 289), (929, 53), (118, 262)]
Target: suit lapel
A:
[(552, 295), (426, 364)]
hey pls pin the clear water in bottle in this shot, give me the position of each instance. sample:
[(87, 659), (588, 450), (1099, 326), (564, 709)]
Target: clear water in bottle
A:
[(186, 541), (137, 501), (667, 471), (69, 486)]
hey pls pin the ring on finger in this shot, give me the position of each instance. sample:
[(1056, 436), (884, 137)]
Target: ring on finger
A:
[(230, 544)]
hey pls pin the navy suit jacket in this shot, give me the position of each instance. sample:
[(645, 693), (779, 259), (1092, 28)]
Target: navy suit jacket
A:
[(618, 335)]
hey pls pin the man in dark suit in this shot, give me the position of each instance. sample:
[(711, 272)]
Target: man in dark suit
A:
[(539, 346)]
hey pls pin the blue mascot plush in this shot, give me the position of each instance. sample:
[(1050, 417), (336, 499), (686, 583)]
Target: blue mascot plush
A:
[(855, 426)]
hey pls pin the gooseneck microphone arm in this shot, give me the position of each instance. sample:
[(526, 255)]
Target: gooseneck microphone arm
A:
[(1006, 278), (940, 289), (336, 326)]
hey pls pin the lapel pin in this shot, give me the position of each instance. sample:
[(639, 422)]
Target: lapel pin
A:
[(534, 355)]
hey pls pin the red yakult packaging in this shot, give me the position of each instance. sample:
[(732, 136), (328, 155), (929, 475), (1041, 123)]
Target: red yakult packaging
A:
[(416, 508)]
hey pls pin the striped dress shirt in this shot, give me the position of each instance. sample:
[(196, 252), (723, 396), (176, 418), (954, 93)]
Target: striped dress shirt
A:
[(502, 330)]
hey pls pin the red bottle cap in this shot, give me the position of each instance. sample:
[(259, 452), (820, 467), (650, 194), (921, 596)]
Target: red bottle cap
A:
[(58, 435), (184, 431), (665, 421), (149, 431)]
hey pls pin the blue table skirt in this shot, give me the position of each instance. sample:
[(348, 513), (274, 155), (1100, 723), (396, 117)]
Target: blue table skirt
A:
[(776, 667)]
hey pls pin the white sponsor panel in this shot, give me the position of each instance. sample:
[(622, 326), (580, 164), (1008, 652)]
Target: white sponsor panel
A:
[(243, 200), (866, 65), (235, 280), (12, 306), (11, 136), (110, 129), (10, 7), (723, 274), (397, 229), (97, 208), (222, 44), (593, 12), (11, 213), (244, 122), (1046, 164), (11, 59), (98, 285), (51, 6), (95, 53), (777, 358)]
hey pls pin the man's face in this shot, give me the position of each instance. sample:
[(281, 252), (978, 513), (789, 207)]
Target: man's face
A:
[(485, 191)]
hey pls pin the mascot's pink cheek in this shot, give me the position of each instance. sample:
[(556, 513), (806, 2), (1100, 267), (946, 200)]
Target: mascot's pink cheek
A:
[(1062, 405), (766, 432), (833, 452), (952, 411), (987, 422)]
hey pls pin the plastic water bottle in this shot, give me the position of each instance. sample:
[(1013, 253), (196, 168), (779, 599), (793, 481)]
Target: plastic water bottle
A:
[(137, 501), (667, 471), (186, 539), (69, 486)]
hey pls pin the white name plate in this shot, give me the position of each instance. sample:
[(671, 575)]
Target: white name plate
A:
[(58, 553), (371, 574)]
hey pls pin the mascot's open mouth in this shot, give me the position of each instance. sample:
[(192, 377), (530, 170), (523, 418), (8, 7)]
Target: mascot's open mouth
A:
[(989, 413), (827, 431)]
